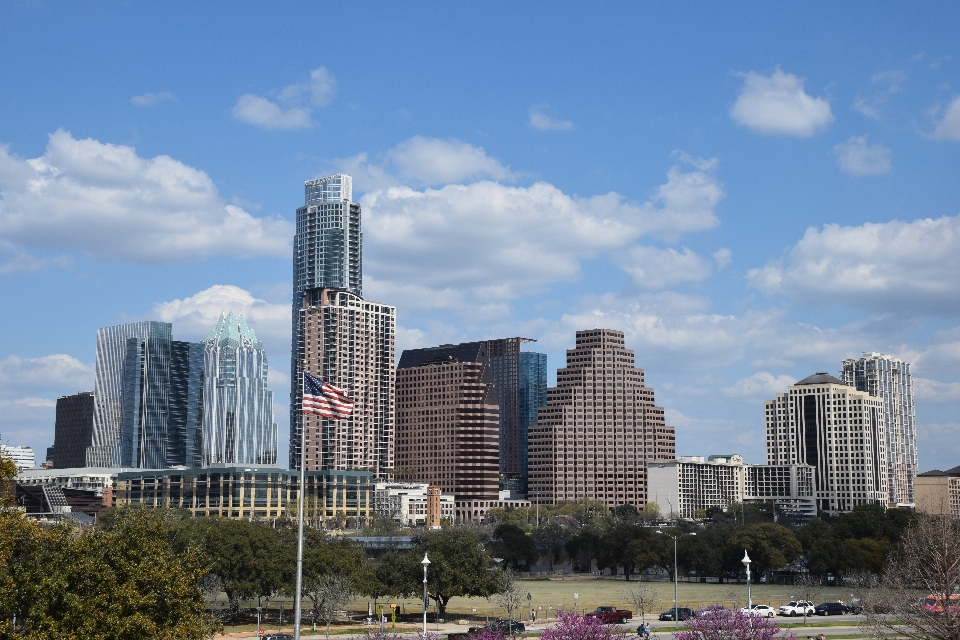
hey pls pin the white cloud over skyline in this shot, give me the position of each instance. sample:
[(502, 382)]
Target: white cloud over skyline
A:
[(858, 158), (111, 204), (948, 126), (779, 105), (293, 105)]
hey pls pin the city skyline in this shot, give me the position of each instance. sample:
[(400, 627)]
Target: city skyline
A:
[(750, 195)]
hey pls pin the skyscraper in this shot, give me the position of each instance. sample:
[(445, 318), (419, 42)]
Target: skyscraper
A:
[(327, 253), (73, 430), (348, 342), (889, 379), (238, 426), (599, 429), (146, 390), (826, 423), (448, 419)]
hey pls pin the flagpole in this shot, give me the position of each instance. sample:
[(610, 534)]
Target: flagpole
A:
[(303, 497)]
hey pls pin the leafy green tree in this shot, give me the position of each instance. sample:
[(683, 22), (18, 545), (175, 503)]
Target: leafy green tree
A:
[(771, 546), (583, 546), (511, 543), (459, 566), (549, 539), (625, 545), (703, 553)]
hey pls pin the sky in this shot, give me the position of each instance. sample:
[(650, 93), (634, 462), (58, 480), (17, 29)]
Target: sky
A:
[(751, 191)]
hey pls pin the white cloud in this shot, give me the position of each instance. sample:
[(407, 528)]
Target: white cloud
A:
[(948, 128), (111, 204), (723, 257), (653, 268), (540, 121), (193, 317), (463, 237), (53, 375), (858, 158), (761, 385), (14, 259), (150, 99), (885, 84), (779, 105), (936, 391), (294, 103), (905, 267), (430, 161)]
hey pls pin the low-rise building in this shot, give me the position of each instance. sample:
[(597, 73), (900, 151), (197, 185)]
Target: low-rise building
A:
[(938, 492), (408, 503), (265, 492), (475, 511), (23, 457), (100, 480)]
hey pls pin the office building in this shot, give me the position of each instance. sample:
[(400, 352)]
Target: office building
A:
[(73, 430), (48, 462), (689, 484), (237, 408), (146, 392), (889, 379), (938, 492), (600, 428), (23, 457), (348, 342), (327, 253), (823, 422), (448, 422), (265, 492)]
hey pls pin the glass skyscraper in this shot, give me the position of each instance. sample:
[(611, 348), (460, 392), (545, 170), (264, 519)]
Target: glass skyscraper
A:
[(147, 394), (238, 426), (327, 254), (889, 378), (533, 394)]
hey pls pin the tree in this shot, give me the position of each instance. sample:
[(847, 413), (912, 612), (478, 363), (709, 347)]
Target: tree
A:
[(770, 546), (573, 626), (511, 595), (718, 623), (650, 513), (459, 566), (511, 543), (807, 587), (328, 593), (642, 596), (925, 563), (550, 538)]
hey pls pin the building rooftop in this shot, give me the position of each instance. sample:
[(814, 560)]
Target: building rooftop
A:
[(821, 377)]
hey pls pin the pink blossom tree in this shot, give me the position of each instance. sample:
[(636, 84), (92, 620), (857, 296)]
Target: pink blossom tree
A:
[(573, 626), (719, 623)]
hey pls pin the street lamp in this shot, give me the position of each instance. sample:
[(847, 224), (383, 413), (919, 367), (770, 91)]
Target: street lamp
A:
[(676, 605), (425, 563), (746, 563)]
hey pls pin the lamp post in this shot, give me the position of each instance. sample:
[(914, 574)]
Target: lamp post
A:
[(746, 563), (425, 563), (676, 604)]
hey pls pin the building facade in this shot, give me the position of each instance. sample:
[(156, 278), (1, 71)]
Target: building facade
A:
[(185, 416), (448, 421), (350, 343), (237, 408), (23, 457), (789, 487), (413, 504), (889, 378), (253, 492), (938, 492), (600, 428), (73, 430), (823, 422)]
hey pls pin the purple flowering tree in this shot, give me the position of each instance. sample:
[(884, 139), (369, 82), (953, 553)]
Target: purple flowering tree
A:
[(573, 626), (719, 623)]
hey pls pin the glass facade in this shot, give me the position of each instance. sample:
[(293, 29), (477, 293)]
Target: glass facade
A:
[(533, 394), (184, 431), (238, 426)]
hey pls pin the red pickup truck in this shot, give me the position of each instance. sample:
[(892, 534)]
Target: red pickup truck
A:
[(611, 615)]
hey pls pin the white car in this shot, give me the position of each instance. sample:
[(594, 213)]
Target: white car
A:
[(762, 610), (796, 608)]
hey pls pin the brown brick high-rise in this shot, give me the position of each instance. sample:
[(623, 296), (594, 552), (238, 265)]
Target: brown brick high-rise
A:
[(599, 428)]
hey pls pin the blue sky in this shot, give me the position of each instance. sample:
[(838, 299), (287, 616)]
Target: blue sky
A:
[(751, 191)]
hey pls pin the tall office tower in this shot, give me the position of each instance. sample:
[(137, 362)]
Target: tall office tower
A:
[(889, 378), (327, 253), (238, 426), (130, 395), (184, 445), (826, 423), (348, 342), (599, 429), (73, 430), (533, 395), (448, 420)]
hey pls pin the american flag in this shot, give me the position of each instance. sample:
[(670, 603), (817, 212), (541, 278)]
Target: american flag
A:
[(324, 399)]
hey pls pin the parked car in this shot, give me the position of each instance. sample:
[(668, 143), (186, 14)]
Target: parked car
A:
[(611, 615), (831, 609), (762, 610), (502, 627), (278, 636), (796, 608), (671, 614)]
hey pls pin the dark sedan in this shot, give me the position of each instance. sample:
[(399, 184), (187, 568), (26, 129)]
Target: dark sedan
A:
[(672, 614), (831, 609)]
